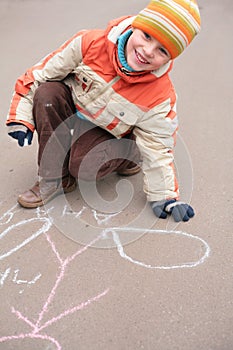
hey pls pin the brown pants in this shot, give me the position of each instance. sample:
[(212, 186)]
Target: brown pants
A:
[(87, 152)]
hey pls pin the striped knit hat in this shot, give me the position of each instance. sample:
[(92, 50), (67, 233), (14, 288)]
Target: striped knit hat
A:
[(174, 23)]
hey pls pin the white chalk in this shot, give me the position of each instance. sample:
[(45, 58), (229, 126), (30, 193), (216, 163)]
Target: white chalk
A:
[(25, 142)]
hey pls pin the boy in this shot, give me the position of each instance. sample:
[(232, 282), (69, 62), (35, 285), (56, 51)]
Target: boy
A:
[(112, 88)]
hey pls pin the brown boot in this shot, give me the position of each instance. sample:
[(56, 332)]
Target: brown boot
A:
[(44, 191)]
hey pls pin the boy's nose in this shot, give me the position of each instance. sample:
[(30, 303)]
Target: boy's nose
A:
[(149, 51)]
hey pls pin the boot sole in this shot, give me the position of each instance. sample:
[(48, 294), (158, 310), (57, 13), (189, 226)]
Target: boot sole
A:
[(48, 199)]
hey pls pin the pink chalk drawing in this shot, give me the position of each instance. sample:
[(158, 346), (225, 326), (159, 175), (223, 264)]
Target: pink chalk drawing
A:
[(39, 326)]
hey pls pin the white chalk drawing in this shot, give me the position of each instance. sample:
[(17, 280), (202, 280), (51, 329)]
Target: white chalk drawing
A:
[(11, 212), (39, 326), (122, 253), (102, 218), (19, 281), (66, 211), (6, 275), (8, 215), (41, 216)]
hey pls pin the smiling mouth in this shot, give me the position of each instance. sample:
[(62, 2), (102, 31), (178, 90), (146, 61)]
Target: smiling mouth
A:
[(140, 58)]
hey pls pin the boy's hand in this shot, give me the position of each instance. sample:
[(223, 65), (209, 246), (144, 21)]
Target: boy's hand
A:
[(179, 210), (21, 133)]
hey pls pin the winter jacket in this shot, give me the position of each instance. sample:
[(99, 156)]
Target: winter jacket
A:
[(112, 98)]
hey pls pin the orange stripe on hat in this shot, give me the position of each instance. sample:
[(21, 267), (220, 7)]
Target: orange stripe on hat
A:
[(177, 22)]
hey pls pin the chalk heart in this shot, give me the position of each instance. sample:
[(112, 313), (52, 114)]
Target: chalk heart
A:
[(10, 246)]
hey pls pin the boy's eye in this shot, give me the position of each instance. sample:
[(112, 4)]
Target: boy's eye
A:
[(147, 36), (163, 51)]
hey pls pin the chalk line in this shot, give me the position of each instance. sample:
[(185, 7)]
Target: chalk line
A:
[(4, 276), (43, 229), (67, 211), (9, 213), (122, 253), (35, 279), (31, 336), (21, 317), (18, 281), (102, 218), (74, 309), (63, 265)]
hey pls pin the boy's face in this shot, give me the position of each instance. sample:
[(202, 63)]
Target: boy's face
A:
[(144, 52)]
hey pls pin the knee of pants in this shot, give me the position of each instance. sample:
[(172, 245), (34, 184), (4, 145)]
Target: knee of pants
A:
[(47, 93), (87, 167), (52, 105)]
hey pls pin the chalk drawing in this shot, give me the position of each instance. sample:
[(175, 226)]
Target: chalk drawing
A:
[(47, 224), (4, 275), (8, 215), (38, 325), (19, 281), (67, 211), (99, 217), (102, 218), (122, 253)]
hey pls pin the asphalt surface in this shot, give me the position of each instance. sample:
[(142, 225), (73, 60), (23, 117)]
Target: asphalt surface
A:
[(74, 278)]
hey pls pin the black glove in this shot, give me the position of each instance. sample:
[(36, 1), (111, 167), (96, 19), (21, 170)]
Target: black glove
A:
[(179, 210), (21, 133)]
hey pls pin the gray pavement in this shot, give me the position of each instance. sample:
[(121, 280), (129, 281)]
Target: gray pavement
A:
[(68, 280)]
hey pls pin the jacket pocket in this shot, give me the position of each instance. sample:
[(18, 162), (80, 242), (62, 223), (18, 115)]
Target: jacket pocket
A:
[(84, 81), (123, 112)]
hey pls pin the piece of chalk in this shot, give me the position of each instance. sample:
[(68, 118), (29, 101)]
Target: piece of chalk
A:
[(25, 142)]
